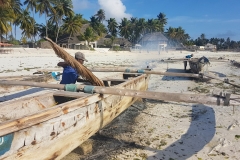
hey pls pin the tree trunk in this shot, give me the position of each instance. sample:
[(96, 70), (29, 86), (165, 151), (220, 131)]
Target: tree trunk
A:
[(46, 24), (15, 31), (69, 39), (33, 38), (57, 32), (11, 31)]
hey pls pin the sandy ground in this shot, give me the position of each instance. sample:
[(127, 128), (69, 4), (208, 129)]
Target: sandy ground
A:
[(151, 129)]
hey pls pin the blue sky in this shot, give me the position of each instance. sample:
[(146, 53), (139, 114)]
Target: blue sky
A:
[(214, 18)]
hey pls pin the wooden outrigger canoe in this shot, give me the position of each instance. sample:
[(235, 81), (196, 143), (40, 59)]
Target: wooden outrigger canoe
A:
[(52, 124)]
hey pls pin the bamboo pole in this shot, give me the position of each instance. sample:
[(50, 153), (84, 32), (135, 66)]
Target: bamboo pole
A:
[(175, 97), (190, 59), (146, 72)]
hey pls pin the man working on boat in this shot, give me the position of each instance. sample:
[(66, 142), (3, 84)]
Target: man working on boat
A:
[(70, 75), (185, 62)]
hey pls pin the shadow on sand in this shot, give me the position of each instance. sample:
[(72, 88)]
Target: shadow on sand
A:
[(20, 94), (169, 78), (200, 133)]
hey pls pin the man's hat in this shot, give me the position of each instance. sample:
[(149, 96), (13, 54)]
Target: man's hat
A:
[(80, 55)]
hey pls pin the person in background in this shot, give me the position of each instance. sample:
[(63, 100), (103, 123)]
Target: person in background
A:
[(70, 74), (185, 62)]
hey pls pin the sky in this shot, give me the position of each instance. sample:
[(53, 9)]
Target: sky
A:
[(214, 18)]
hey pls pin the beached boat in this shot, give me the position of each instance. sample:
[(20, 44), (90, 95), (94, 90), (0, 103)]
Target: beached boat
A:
[(53, 123), (32, 78), (197, 64)]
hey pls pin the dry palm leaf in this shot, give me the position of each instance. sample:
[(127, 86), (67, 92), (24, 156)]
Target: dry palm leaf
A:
[(81, 69)]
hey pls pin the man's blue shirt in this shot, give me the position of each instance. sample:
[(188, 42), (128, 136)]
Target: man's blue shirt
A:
[(69, 75)]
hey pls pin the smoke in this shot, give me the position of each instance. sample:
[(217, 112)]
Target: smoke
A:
[(114, 9)]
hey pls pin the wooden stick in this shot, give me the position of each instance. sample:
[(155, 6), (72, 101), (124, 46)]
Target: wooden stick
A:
[(144, 71), (175, 97), (225, 81), (190, 59), (220, 93)]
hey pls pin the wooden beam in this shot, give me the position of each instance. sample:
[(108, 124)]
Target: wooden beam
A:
[(225, 80), (70, 94), (175, 97), (220, 93), (52, 112), (135, 71)]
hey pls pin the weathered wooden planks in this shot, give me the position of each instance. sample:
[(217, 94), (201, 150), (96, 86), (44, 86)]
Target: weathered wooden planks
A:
[(55, 131)]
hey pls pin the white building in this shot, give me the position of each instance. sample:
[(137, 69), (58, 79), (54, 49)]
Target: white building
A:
[(210, 46)]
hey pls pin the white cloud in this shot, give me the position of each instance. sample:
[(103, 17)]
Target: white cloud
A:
[(114, 9)]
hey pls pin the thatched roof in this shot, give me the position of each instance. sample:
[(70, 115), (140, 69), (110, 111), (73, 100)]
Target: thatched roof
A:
[(153, 37), (72, 40), (121, 41)]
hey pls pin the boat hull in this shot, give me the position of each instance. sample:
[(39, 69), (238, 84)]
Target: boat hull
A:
[(55, 137)]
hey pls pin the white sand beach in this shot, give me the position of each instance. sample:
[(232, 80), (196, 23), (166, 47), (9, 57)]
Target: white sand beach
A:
[(151, 129)]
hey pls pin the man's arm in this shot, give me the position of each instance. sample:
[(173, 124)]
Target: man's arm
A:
[(62, 64)]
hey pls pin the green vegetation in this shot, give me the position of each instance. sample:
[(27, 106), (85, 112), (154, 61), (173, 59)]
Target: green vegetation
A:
[(237, 136), (60, 21)]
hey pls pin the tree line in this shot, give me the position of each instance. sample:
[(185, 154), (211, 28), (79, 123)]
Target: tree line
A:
[(61, 20)]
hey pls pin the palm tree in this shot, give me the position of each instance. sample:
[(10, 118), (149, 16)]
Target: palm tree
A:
[(162, 18), (100, 15), (94, 23), (6, 16), (89, 35), (180, 34), (31, 4), (100, 30), (154, 25), (52, 30), (28, 30), (125, 28), (62, 8), (112, 27), (15, 5), (141, 26), (72, 25), (171, 34), (45, 7), (4, 3), (26, 23), (98, 27)]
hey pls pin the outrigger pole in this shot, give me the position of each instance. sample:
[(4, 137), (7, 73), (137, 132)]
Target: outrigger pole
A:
[(165, 96)]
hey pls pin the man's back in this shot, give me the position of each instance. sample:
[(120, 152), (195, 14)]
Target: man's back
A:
[(69, 75)]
